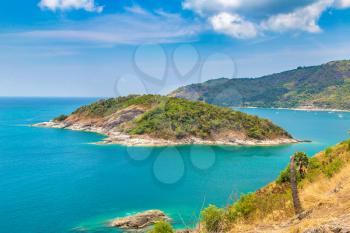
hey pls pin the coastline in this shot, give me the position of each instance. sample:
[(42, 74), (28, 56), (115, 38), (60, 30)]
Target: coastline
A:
[(119, 138), (299, 109)]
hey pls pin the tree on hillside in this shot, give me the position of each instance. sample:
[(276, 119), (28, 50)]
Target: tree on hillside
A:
[(294, 187), (302, 162)]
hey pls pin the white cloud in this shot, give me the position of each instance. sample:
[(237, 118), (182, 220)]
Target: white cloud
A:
[(233, 25), (133, 27), (135, 9), (342, 3), (201, 6), (73, 35), (302, 19), (239, 18), (54, 5)]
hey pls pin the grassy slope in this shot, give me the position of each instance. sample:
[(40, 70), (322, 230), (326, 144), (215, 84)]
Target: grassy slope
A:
[(266, 209), (325, 86), (170, 118)]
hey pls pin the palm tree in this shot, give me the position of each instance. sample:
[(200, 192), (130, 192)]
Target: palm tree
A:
[(302, 162), (294, 187)]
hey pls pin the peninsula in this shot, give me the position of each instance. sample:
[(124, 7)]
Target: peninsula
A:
[(154, 120)]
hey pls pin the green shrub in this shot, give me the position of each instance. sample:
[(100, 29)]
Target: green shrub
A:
[(328, 152), (314, 163), (213, 219), (60, 118), (179, 133), (243, 207), (256, 133), (314, 169), (284, 176), (333, 167), (162, 227)]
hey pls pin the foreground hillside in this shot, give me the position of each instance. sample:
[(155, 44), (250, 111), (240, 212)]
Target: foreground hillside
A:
[(323, 184), (160, 120), (324, 190), (317, 87)]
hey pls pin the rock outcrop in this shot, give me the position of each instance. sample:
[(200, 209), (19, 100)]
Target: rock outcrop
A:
[(340, 225), (139, 221)]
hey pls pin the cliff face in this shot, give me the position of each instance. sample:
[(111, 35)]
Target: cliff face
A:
[(319, 87), (153, 119)]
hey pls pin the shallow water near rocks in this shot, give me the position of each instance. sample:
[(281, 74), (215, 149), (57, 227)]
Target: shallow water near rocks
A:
[(53, 180)]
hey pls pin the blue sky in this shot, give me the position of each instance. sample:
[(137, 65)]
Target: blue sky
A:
[(118, 47)]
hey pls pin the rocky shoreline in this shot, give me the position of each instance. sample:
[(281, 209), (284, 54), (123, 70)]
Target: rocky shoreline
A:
[(115, 137)]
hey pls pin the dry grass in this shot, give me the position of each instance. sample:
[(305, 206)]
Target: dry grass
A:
[(321, 191), (325, 199), (329, 199)]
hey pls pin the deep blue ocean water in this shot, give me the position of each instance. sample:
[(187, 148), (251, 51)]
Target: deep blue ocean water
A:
[(54, 181)]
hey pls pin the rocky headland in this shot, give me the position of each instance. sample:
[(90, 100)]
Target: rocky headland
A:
[(153, 120)]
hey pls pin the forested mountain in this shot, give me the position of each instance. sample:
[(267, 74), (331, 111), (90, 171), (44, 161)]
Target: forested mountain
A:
[(326, 86)]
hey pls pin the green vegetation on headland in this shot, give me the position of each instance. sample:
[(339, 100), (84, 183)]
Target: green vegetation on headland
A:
[(60, 118), (180, 118), (173, 118), (106, 107), (325, 87)]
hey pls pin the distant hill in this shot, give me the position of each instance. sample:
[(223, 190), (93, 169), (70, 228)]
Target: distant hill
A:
[(152, 119), (316, 87)]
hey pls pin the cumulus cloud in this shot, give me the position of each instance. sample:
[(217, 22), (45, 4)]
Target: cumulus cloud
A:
[(303, 19), (238, 18), (54, 5), (342, 3), (202, 6), (233, 25)]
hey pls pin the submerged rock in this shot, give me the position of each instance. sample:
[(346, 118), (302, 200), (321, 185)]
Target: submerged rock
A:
[(139, 221)]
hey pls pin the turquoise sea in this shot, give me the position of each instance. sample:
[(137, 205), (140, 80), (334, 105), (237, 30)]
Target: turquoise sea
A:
[(54, 181)]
